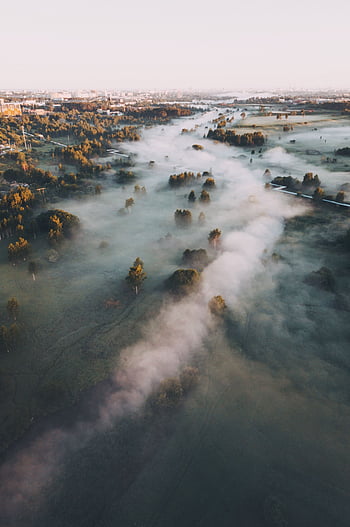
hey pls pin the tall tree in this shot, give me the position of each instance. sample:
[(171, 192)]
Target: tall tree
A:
[(214, 237), (136, 275)]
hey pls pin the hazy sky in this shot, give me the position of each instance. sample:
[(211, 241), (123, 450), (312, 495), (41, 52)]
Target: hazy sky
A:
[(182, 44)]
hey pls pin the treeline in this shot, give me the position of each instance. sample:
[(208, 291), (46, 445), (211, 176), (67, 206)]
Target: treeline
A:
[(16, 219), (343, 151), (81, 126), (9, 131), (158, 112), (15, 208), (310, 182), (30, 175), (48, 182), (342, 106), (87, 125), (230, 137)]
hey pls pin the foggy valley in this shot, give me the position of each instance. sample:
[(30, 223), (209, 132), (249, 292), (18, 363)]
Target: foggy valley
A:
[(221, 400)]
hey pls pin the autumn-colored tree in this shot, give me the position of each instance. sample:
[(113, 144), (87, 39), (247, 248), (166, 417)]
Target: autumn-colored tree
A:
[(129, 203), (318, 195), (18, 250), (204, 197), (217, 305), (56, 230), (209, 183), (136, 275)]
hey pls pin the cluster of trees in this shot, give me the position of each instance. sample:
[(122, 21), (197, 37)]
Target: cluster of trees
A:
[(209, 183), (195, 258), (27, 173), (287, 181), (30, 175), (127, 133), (230, 137), (185, 178), (15, 210), (58, 223), (19, 250), (203, 198), (159, 113), (78, 122), (343, 151), (123, 177), (140, 189), (171, 391), (310, 182), (179, 180), (183, 281), (9, 131), (79, 155), (183, 217)]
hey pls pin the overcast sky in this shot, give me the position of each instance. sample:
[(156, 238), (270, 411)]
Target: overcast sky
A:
[(182, 44)]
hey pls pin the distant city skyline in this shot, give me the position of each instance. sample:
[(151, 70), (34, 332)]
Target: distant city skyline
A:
[(222, 46)]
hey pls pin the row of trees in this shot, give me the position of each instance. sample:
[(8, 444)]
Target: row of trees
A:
[(232, 138), (310, 182), (186, 178)]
